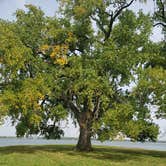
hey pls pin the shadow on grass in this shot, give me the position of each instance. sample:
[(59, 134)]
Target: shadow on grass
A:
[(100, 153)]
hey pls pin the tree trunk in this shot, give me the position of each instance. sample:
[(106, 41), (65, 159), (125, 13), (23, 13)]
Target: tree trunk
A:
[(84, 142)]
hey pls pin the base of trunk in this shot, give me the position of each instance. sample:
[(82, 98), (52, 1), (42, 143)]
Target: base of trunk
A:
[(82, 148), (84, 142)]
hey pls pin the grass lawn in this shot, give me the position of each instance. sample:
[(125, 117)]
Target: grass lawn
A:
[(63, 155)]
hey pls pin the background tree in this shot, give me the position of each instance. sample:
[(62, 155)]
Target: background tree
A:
[(81, 64)]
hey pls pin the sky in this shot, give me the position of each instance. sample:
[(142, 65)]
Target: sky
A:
[(7, 10)]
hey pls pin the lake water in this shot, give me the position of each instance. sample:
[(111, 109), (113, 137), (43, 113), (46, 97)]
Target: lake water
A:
[(38, 141)]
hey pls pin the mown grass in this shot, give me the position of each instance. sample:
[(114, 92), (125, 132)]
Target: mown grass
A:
[(64, 155)]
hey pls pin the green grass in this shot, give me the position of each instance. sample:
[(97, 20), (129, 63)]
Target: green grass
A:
[(64, 155)]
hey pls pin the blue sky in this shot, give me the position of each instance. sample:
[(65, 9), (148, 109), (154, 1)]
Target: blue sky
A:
[(7, 9)]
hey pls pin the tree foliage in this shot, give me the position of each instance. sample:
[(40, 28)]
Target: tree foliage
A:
[(81, 64), (153, 78)]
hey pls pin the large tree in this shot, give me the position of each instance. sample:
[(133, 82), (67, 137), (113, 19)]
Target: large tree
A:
[(82, 64)]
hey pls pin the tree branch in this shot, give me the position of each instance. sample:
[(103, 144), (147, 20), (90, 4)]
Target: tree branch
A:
[(113, 17), (99, 24), (74, 109), (69, 104), (96, 109), (160, 23)]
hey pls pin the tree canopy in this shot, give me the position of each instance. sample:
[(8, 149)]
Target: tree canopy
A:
[(94, 62)]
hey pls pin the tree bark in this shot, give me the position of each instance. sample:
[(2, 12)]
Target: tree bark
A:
[(84, 141)]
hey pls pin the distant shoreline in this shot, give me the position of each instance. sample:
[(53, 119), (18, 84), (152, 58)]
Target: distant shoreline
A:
[(73, 138)]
